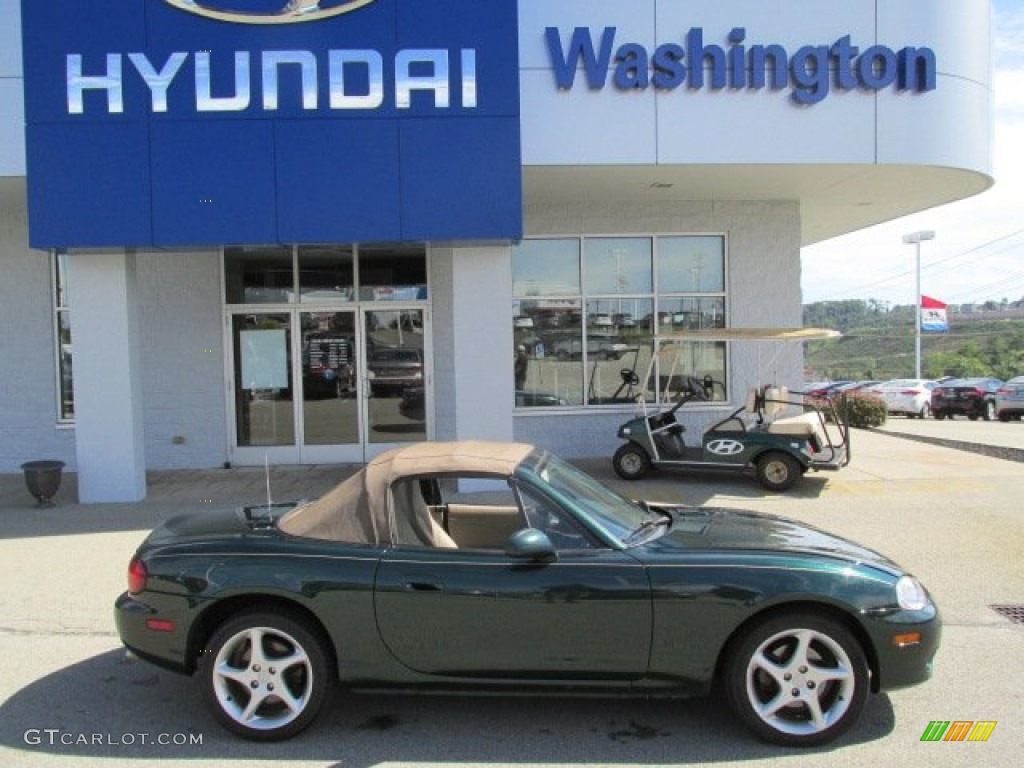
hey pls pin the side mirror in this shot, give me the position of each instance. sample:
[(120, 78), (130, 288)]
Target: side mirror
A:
[(530, 544)]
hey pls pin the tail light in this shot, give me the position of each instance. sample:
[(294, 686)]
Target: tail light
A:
[(909, 392), (938, 392), (980, 392), (1002, 391), (136, 575)]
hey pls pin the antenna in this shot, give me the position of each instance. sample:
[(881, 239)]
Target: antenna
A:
[(266, 472)]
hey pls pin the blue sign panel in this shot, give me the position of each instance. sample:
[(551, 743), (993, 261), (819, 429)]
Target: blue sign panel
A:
[(206, 122)]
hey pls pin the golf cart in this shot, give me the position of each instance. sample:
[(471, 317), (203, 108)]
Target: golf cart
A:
[(758, 436)]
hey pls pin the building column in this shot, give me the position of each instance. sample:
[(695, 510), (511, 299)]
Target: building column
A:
[(482, 341), (107, 382)]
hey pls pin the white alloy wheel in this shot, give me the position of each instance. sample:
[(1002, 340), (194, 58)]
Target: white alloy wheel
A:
[(265, 677), (798, 680)]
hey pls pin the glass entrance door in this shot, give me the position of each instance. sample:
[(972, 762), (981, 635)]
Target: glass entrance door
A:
[(261, 345), (330, 403), (396, 376), (327, 386)]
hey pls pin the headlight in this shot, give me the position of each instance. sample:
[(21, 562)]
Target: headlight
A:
[(910, 595)]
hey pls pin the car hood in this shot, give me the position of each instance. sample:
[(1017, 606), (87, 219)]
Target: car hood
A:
[(708, 528)]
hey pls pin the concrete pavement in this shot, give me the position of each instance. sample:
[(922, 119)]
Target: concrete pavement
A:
[(953, 518)]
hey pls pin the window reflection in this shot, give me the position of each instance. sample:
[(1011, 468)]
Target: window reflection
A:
[(259, 275), (585, 311), (617, 265), (392, 273), (691, 264), (326, 273)]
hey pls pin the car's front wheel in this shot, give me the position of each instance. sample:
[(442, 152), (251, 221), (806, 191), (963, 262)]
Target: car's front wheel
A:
[(797, 679), (631, 462), (265, 676)]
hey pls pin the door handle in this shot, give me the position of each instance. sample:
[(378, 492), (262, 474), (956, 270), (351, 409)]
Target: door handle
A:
[(423, 586)]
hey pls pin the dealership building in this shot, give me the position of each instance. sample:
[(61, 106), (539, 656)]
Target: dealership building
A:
[(245, 231)]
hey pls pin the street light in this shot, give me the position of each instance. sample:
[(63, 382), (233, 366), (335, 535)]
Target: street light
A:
[(916, 238)]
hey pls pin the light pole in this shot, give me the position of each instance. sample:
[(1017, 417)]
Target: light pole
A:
[(916, 238)]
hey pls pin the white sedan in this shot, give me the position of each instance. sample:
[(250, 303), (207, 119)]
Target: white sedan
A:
[(912, 397)]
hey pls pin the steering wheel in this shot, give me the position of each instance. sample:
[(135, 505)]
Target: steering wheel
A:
[(699, 388), (629, 377)]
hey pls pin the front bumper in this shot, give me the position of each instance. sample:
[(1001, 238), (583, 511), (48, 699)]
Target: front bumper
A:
[(901, 661)]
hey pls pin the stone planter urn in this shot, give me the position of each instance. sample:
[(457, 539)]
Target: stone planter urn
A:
[(43, 480)]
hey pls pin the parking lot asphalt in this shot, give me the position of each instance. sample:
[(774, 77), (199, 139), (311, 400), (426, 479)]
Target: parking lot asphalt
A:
[(952, 517)]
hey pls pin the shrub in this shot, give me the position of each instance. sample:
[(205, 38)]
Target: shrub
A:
[(862, 410)]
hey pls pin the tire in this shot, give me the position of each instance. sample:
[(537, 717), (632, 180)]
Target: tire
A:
[(939, 415), (988, 410), (239, 686), (925, 411), (797, 679), (777, 471), (631, 462)]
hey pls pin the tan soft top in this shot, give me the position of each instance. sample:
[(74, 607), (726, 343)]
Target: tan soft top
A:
[(360, 509)]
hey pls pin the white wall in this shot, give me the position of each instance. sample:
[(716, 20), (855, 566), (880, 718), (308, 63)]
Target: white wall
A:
[(182, 351)]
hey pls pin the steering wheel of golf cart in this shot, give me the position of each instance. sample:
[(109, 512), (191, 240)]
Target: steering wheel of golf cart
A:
[(629, 377)]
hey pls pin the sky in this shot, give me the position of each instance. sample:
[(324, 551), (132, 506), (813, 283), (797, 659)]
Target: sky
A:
[(978, 251)]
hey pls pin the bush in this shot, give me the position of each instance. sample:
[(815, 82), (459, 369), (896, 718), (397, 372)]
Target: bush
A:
[(862, 410)]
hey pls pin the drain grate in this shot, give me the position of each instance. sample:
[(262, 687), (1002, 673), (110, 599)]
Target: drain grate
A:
[(1014, 613)]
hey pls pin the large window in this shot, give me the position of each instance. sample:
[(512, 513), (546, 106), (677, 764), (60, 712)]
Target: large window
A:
[(586, 310), (62, 339)]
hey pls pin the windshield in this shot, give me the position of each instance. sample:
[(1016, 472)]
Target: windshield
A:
[(597, 503)]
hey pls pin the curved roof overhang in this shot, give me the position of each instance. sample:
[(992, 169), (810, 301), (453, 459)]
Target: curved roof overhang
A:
[(834, 199)]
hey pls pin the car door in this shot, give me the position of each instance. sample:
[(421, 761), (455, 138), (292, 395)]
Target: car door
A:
[(479, 613)]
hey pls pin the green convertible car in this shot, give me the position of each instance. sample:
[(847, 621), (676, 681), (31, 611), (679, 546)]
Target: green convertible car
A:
[(496, 567)]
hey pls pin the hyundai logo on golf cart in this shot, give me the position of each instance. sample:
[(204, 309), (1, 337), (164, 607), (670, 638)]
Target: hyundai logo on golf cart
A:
[(725, 447), (269, 11), (110, 76)]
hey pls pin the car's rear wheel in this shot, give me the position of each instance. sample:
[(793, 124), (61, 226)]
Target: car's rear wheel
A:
[(988, 410), (797, 679), (939, 415), (777, 471), (631, 462), (925, 411), (265, 676)]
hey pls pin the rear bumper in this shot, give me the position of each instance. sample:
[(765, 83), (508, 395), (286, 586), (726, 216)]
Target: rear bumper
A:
[(165, 648)]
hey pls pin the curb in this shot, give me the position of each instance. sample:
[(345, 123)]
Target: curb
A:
[(993, 451)]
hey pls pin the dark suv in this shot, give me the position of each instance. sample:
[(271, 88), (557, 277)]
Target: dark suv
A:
[(969, 397)]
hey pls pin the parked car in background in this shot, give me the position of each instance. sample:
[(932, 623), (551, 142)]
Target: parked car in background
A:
[(910, 397), (824, 388), (1010, 400), (968, 397), (392, 369)]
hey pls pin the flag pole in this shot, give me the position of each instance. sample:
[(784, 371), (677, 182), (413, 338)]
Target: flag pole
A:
[(916, 238)]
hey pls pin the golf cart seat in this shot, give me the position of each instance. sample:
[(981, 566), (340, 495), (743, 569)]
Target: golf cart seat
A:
[(805, 425)]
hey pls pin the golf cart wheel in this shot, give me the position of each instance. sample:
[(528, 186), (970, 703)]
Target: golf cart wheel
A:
[(797, 679), (631, 462), (777, 471), (265, 676)]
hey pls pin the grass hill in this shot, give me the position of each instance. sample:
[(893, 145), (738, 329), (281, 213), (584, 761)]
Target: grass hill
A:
[(878, 344)]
